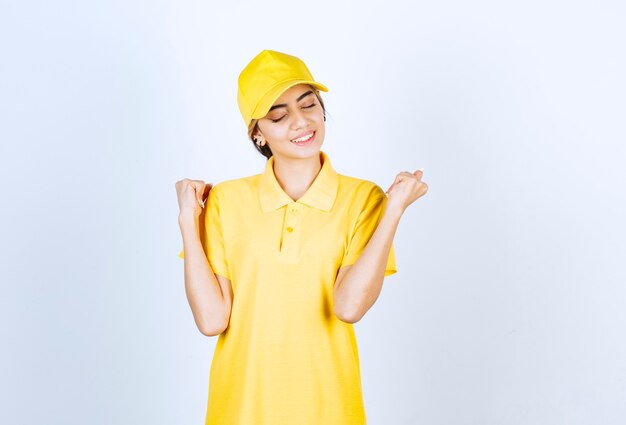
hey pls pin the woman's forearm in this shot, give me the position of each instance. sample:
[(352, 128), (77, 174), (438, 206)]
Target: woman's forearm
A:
[(203, 290), (359, 288)]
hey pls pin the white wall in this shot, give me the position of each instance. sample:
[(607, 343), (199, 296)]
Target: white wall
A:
[(508, 306)]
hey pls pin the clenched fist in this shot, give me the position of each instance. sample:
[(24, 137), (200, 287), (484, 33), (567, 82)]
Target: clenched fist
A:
[(192, 195), (406, 189)]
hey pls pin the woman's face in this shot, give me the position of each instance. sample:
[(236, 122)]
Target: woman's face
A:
[(296, 114)]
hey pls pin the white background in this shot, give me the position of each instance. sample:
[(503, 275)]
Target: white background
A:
[(508, 304)]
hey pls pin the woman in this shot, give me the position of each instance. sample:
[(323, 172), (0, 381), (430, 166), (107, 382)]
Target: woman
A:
[(283, 263)]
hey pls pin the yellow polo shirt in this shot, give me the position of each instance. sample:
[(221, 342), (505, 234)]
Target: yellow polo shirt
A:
[(285, 358)]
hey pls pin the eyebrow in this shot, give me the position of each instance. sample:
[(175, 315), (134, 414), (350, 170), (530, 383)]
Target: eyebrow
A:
[(283, 105)]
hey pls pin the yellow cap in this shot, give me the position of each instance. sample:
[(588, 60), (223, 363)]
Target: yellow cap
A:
[(265, 78)]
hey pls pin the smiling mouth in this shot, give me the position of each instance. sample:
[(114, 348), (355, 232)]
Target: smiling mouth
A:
[(304, 139)]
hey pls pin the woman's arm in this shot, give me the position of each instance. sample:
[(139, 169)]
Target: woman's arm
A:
[(210, 296), (357, 286)]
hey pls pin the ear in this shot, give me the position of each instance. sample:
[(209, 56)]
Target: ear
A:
[(257, 132)]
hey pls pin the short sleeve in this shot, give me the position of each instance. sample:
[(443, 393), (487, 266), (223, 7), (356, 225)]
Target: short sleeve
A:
[(366, 224), (211, 235)]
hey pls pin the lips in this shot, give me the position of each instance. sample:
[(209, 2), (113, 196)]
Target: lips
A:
[(307, 142), (307, 133)]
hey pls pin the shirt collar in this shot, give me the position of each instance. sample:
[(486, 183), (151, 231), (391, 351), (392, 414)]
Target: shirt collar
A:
[(321, 194)]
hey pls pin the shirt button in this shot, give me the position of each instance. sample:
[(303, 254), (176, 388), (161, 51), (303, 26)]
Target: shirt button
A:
[(294, 210), (290, 229)]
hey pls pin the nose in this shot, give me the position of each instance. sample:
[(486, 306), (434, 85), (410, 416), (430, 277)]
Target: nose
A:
[(299, 119)]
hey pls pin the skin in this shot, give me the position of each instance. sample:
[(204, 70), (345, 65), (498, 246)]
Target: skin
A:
[(295, 167), (210, 296), (357, 286)]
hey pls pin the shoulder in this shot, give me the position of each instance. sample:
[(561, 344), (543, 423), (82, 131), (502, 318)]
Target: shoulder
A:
[(359, 189), (237, 188)]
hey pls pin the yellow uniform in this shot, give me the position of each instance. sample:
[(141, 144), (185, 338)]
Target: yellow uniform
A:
[(285, 358)]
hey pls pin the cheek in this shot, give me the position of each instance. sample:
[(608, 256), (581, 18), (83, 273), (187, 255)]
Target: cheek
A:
[(277, 130), (281, 132)]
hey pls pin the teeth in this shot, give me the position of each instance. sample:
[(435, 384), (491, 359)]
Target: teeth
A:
[(303, 139)]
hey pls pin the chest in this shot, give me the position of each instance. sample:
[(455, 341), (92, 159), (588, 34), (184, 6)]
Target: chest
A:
[(293, 234)]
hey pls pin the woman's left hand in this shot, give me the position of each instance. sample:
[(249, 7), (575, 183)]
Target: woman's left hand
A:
[(406, 189)]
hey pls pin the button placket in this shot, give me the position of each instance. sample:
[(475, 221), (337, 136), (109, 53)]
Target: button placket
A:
[(291, 233)]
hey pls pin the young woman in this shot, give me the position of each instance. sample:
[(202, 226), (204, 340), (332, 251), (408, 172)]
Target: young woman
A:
[(282, 263)]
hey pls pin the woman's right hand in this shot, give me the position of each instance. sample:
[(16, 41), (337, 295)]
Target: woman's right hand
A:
[(192, 195)]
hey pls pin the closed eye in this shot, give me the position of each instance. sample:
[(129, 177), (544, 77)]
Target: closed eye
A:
[(304, 107)]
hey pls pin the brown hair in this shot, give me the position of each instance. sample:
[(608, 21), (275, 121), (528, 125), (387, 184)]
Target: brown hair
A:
[(265, 149)]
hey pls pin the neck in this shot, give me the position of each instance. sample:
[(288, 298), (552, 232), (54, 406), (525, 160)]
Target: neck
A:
[(295, 176)]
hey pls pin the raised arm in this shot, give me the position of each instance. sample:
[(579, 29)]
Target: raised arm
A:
[(210, 296), (358, 286)]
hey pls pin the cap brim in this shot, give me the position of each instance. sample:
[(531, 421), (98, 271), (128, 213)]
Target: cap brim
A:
[(268, 100)]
